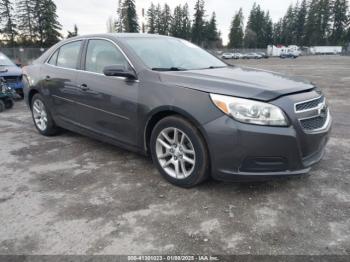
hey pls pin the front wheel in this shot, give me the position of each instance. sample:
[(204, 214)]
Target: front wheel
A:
[(179, 152), (42, 118)]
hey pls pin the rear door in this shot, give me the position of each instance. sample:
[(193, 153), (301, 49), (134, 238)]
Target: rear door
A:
[(109, 103), (60, 76)]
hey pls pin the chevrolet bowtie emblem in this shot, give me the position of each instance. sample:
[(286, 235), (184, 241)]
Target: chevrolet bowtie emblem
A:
[(322, 110)]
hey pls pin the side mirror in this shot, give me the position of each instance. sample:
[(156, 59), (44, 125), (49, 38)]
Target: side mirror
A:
[(119, 70)]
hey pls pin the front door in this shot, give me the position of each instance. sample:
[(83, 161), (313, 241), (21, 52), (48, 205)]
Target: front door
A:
[(109, 103)]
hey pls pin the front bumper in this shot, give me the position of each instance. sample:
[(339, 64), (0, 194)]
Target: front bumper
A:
[(241, 152)]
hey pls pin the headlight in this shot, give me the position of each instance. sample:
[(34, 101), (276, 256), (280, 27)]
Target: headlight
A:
[(250, 111)]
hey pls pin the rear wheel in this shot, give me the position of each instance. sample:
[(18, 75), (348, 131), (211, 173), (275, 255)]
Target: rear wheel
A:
[(179, 152), (42, 118), (9, 103)]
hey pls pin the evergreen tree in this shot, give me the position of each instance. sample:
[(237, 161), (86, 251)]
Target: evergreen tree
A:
[(278, 32), (300, 23), (176, 25), (74, 33), (129, 17), (268, 29), (325, 18), (165, 20), (8, 26), (186, 31), (255, 35), (198, 23), (236, 31), (158, 21), (118, 27), (288, 27), (340, 20), (25, 17), (151, 19), (212, 34), (313, 34), (47, 26)]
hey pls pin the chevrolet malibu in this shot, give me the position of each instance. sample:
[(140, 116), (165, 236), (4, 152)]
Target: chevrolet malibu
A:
[(195, 115)]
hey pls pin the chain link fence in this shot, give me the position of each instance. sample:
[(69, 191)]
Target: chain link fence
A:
[(23, 56)]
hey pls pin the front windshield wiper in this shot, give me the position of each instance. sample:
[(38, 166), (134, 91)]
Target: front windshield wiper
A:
[(213, 67), (168, 69)]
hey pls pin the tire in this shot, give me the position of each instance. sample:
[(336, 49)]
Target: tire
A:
[(191, 156), (2, 106), (48, 129), (9, 103)]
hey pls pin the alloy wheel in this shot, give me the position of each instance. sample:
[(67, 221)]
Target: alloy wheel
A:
[(40, 115), (175, 153)]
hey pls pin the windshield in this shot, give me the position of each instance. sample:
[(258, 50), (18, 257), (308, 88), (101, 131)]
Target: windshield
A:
[(5, 61), (172, 54)]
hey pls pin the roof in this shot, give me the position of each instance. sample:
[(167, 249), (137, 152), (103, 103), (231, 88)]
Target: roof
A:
[(122, 35)]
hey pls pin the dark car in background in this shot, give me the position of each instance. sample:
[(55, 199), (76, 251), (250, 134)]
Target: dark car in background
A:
[(11, 73), (195, 115)]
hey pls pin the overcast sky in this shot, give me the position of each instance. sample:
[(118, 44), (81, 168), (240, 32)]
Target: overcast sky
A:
[(91, 15)]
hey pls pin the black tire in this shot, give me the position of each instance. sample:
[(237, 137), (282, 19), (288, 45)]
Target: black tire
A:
[(9, 103), (2, 106), (201, 167), (51, 128)]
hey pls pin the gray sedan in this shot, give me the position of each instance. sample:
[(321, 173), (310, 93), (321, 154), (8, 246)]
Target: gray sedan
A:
[(195, 115)]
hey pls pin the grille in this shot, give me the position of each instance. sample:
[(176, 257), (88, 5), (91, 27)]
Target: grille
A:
[(12, 79), (309, 104), (313, 123)]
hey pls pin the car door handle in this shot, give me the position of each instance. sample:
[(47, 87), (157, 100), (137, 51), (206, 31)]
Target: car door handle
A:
[(84, 87), (47, 78)]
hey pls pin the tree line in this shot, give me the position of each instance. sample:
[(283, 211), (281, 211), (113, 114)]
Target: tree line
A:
[(30, 23), (162, 20), (307, 23)]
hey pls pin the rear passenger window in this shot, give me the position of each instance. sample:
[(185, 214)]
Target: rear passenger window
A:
[(68, 55), (53, 59)]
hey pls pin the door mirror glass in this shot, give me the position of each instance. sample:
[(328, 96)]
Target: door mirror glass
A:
[(119, 70)]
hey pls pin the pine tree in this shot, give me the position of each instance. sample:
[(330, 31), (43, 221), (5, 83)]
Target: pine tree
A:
[(255, 35), (340, 20), (313, 22), (186, 27), (47, 26), (165, 20), (212, 34), (198, 23), (268, 30), (176, 24), (300, 23), (8, 26), (129, 17), (278, 32), (25, 18), (158, 19), (236, 31), (288, 27), (118, 27), (325, 13), (151, 19)]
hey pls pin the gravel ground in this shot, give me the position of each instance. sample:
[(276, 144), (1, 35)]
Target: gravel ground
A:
[(73, 195)]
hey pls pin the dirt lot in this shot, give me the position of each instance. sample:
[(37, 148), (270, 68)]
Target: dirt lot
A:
[(73, 195)]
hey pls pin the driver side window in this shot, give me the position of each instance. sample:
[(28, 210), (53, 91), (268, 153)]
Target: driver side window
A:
[(102, 53)]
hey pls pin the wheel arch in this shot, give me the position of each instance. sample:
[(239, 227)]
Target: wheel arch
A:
[(31, 94), (158, 114)]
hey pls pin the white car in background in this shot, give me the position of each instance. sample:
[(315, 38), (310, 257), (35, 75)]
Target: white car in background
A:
[(227, 56)]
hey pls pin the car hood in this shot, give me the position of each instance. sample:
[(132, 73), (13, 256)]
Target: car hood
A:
[(10, 71), (238, 81)]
